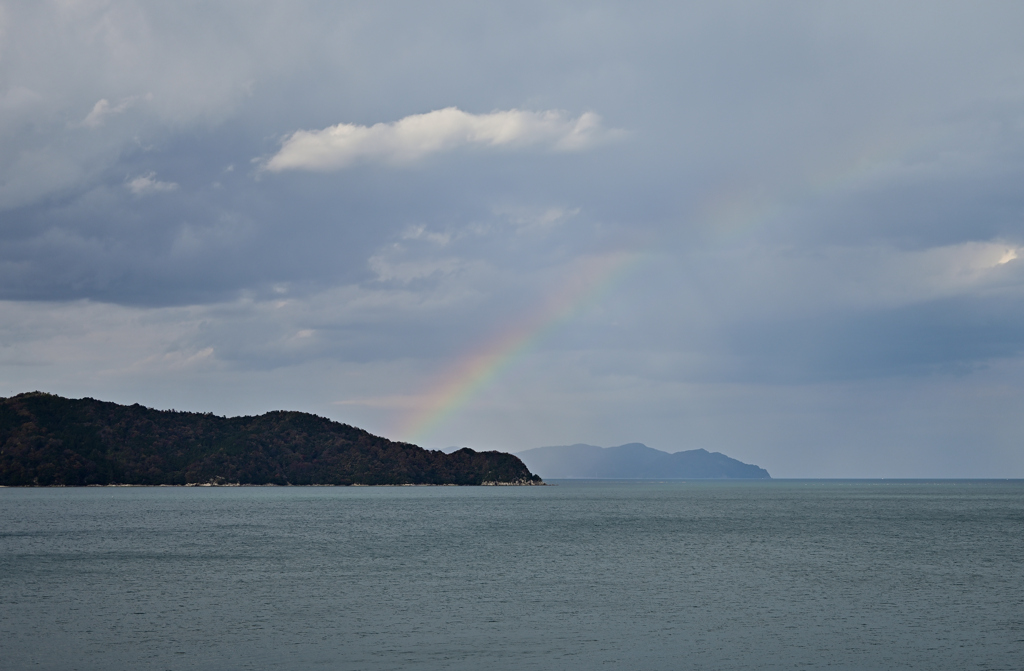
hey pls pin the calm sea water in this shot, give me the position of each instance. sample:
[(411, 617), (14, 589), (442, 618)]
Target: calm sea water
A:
[(585, 575)]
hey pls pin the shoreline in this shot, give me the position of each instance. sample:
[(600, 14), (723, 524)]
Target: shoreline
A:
[(237, 484)]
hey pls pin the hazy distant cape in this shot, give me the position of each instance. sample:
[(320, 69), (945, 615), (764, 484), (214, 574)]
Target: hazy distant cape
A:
[(634, 461), (49, 440)]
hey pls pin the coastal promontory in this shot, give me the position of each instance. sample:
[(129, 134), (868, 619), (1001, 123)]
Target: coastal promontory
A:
[(47, 440)]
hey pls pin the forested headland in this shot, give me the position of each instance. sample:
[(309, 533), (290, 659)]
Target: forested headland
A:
[(47, 440)]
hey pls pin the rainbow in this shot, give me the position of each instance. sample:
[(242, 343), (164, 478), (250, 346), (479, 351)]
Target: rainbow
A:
[(727, 214), (588, 281)]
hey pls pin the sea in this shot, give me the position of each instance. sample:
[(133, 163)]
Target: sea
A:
[(797, 574)]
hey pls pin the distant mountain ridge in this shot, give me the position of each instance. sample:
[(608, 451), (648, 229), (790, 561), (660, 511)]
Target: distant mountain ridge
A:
[(635, 461), (50, 440)]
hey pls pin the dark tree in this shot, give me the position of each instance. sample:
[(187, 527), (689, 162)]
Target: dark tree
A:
[(49, 440)]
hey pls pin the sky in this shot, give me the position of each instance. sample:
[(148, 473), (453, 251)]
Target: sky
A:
[(790, 232)]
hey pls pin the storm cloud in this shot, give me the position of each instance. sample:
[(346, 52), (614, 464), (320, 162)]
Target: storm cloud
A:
[(791, 233)]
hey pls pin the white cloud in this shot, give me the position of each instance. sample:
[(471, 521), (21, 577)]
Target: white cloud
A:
[(527, 220), (420, 232), (419, 135), (389, 270), (782, 282), (103, 109), (144, 185), (899, 278)]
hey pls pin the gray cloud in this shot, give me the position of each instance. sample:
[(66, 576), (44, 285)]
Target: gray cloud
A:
[(823, 203)]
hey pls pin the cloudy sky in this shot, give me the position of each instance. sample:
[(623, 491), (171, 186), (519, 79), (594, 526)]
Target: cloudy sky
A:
[(790, 232)]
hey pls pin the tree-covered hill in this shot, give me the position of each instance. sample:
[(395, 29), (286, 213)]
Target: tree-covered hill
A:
[(50, 440)]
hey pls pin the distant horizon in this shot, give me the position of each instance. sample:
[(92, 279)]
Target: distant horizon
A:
[(725, 302), (518, 450)]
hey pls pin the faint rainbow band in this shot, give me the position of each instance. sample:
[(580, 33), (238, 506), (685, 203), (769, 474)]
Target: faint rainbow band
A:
[(727, 213), (588, 281)]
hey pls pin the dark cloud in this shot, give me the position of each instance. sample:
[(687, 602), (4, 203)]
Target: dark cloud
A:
[(818, 195)]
